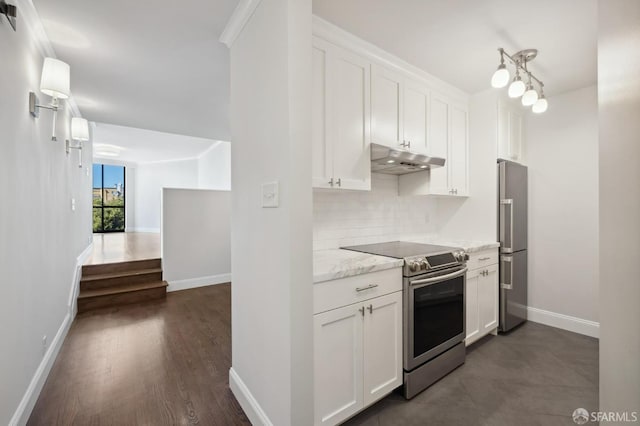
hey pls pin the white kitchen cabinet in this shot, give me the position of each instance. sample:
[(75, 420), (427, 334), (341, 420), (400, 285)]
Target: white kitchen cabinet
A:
[(338, 364), (340, 118), (448, 139), (386, 107), (510, 132), (382, 347), (399, 110), (357, 347), (481, 296)]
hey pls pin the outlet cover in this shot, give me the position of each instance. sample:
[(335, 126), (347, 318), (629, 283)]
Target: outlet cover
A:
[(270, 195)]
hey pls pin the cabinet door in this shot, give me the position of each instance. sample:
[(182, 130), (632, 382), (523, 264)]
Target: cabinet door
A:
[(416, 115), (386, 107), (515, 135), (322, 165), (439, 144), (472, 323), (338, 380), (382, 346), (488, 299), (350, 121), (458, 150), (510, 139)]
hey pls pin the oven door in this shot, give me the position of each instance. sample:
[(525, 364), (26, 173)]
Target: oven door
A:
[(434, 315)]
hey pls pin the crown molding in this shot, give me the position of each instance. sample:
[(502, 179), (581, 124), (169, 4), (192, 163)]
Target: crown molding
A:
[(338, 36), (238, 20), (29, 15)]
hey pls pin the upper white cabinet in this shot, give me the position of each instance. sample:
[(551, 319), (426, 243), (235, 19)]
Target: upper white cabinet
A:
[(340, 118), (510, 132), (399, 110), (448, 138)]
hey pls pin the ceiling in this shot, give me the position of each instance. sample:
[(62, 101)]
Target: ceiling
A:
[(144, 146), (457, 40), (149, 65)]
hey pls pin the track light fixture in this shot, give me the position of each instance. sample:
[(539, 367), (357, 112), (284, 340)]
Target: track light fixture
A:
[(517, 88)]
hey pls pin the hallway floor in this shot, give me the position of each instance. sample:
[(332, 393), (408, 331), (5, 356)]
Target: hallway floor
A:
[(124, 247), (154, 363)]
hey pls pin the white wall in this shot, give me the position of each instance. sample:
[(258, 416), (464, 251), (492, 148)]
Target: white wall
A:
[(474, 218), (149, 180), (214, 167), (619, 173), (562, 151), (196, 237), (342, 218), (272, 373), (40, 236)]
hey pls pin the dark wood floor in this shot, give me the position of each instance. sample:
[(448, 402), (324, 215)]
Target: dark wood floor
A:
[(158, 363)]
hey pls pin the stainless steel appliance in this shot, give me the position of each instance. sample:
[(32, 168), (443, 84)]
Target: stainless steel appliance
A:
[(434, 309), (512, 230), (401, 161)]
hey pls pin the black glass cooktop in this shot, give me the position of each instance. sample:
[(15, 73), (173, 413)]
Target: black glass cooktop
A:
[(401, 249)]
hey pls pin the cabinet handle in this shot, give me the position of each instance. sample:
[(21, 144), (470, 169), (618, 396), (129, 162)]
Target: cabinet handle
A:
[(331, 182), (484, 258), (370, 309), (361, 310), (370, 286), (455, 191), (409, 144), (339, 182)]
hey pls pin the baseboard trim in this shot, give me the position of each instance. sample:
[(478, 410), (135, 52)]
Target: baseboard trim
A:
[(565, 322), (176, 285), (22, 413), (251, 408)]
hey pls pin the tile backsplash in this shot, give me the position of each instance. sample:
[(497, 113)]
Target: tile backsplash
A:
[(343, 218)]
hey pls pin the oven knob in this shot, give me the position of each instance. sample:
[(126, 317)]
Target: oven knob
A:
[(424, 265), (413, 266)]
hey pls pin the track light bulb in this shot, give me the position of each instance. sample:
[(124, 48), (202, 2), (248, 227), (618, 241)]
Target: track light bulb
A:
[(530, 97), (517, 87), (500, 77), (540, 106)]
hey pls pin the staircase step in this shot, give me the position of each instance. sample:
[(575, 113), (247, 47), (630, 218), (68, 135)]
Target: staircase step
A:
[(111, 279), (133, 265), (120, 295)]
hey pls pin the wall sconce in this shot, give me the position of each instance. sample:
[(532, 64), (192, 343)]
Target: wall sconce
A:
[(80, 133), (55, 82), (10, 12)]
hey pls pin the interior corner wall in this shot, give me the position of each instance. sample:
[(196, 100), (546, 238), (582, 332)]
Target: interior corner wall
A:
[(272, 372), (619, 177), (562, 151), (214, 168), (40, 236)]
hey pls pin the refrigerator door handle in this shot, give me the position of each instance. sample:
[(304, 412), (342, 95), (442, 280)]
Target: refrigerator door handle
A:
[(507, 270), (503, 237)]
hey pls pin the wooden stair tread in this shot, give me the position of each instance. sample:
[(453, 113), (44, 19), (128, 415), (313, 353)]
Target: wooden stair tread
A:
[(106, 291), (96, 277)]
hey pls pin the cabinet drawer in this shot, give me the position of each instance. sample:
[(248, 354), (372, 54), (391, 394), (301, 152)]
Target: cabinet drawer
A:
[(482, 259), (345, 291)]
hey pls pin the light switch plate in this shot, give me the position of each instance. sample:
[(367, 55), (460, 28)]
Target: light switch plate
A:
[(270, 196), (73, 204)]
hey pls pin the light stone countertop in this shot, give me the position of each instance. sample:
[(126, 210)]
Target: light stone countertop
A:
[(337, 263), (469, 246)]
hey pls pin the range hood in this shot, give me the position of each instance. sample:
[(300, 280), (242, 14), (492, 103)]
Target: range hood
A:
[(400, 162)]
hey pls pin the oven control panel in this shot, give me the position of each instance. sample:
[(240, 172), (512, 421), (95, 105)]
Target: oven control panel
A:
[(434, 262)]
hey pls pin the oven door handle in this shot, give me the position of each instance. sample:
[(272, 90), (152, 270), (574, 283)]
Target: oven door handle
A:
[(439, 278)]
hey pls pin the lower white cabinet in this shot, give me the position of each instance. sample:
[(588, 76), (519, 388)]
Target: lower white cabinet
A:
[(357, 356), (481, 297)]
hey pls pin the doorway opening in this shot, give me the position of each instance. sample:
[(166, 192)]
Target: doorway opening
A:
[(108, 198)]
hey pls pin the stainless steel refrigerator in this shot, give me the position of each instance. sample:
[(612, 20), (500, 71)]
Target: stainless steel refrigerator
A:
[(512, 234)]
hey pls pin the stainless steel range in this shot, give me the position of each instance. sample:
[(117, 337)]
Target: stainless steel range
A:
[(434, 309)]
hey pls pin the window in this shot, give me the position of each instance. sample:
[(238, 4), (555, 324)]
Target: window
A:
[(108, 198)]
